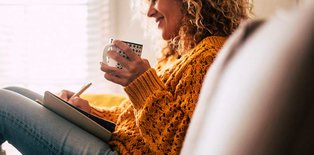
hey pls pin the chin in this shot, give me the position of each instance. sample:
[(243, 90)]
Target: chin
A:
[(166, 36)]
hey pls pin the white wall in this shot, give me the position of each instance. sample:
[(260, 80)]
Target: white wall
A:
[(266, 8)]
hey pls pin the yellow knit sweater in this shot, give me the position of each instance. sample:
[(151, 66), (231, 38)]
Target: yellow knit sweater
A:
[(155, 118)]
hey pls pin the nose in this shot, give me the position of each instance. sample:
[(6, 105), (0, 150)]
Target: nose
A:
[(151, 11)]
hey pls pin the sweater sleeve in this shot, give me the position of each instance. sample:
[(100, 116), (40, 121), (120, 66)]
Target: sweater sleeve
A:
[(163, 114)]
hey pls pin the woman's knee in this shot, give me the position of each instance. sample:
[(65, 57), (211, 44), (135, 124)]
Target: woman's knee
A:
[(15, 88), (7, 96), (5, 93), (25, 92)]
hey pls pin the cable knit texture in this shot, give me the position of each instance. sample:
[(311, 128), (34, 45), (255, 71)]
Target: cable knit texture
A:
[(155, 118)]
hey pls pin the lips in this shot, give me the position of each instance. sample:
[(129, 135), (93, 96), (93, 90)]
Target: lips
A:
[(158, 21)]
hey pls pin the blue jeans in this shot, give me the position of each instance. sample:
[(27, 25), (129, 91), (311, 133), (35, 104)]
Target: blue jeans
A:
[(33, 129)]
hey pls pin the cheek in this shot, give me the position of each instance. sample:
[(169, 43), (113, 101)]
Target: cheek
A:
[(169, 30), (174, 25), (175, 19)]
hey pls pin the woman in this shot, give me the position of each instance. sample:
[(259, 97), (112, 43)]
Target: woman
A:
[(161, 101)]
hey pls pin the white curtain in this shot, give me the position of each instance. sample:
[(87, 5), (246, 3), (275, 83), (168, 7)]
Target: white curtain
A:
[(53, 44)]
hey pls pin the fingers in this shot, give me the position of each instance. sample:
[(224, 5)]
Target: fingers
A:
[(119, 76), (146, 61), (65, 94), (124, 76), (123, 73), (126, 63), (80, 103), (127, 50), (118, 58), (116, 79)]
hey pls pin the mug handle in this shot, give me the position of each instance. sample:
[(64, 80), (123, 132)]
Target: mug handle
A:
[(104, 53)]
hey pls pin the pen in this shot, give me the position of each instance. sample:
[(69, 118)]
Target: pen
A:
[(81, 90)]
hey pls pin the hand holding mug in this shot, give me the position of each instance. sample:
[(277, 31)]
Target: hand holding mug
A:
[(127, 64)]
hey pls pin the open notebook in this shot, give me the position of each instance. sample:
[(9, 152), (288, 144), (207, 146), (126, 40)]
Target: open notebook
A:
[(99, 127)]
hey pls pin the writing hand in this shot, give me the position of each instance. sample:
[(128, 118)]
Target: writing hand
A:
[(66, 95)]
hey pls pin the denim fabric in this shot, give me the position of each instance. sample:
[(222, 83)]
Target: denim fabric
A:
[(33, 129)]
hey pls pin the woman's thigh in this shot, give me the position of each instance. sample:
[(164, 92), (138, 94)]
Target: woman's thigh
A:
[(33, 129)]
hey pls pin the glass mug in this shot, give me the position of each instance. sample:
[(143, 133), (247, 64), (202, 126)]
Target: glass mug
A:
[(137, 48)]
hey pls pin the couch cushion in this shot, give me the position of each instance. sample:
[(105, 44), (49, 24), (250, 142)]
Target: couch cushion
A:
[(256, 100), (103, 100)]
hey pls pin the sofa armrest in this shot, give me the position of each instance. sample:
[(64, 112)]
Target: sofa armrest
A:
[(261, 102)]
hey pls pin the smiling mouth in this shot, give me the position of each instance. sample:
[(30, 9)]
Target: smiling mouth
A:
[(159, 19)]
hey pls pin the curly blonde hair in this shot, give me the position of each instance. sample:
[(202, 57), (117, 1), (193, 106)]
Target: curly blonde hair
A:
[(203, 18)]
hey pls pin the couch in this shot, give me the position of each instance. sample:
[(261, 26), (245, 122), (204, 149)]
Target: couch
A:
[(258, 96)]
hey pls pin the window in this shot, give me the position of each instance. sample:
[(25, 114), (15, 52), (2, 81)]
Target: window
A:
[(52, 44)]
